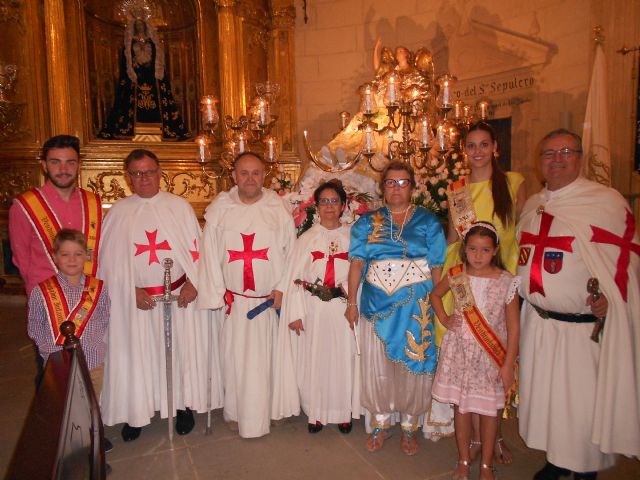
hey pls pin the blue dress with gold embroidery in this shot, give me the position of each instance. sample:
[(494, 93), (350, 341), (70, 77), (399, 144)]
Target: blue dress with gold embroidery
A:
[(397, 283)]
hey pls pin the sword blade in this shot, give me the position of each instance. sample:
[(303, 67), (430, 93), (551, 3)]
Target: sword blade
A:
[(168, 355), (209, 371)]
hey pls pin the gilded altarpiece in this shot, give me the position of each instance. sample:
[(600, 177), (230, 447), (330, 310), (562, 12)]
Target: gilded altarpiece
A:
[(67, 54)]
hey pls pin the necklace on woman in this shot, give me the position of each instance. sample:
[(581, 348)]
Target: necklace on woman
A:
[(398, 237)]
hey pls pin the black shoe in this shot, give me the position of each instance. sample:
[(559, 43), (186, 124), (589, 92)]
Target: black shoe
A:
[(184, 421), (551, 472), (345, 427), (129, 433), (108, 446), (585, 476), (314, 427)]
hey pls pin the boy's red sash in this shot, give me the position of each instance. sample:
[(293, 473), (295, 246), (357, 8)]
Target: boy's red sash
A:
[(46, 224), (58, 309), (466, 303)]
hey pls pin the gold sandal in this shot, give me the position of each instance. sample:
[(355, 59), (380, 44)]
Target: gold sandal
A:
[(409, 443), (484, 466), (377, 439), (462, 476)]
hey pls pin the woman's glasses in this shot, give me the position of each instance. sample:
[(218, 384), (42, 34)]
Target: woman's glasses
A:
[(329, 201), (400, 182)]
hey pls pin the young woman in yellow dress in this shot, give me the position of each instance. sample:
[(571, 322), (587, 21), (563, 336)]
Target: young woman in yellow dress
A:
[(497, 197)]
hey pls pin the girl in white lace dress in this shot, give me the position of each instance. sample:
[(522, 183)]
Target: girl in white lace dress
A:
[(478, 352)]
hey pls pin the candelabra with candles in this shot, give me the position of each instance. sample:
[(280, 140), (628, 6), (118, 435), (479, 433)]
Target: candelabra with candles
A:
[(247, 132), (417, 123)]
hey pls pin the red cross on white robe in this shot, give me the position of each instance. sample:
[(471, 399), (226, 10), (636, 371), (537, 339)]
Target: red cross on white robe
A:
[(195, 254), (626, 247), (152, 247), (330, 270), (247, 256), (541, 241)]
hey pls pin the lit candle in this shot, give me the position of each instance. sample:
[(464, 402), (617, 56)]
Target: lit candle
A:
[(452, 134), (425, 133), (392, 89), (367, 100), (483, 106), (241, 143), (466, 111), (202, 144), (272, 149), (368, 138), (458, 109), (445, 93), (441, 138), (262, 112)]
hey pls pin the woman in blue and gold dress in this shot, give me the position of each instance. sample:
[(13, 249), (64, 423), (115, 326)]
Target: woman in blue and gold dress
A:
[(397, 252)]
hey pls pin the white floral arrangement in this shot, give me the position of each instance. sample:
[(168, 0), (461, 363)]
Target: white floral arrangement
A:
[(362, 195), (431, 189)]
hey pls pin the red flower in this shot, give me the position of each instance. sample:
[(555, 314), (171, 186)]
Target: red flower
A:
[(362, 208)]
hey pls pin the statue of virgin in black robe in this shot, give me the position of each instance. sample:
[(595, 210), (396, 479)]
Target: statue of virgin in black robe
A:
[(143, 94)]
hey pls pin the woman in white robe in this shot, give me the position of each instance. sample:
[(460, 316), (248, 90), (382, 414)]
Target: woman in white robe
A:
[(322, 346)]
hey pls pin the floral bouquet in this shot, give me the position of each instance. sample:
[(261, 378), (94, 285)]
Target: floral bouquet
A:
[(303, 207)]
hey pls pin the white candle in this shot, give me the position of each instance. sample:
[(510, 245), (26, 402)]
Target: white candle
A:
[(458, 109), (272, 149), (367, 100), (262, 112), (202, 148), (392, 89), (441, 139), (445, 93), (425, 133), (241, 143), (368, 138), (484, 109)]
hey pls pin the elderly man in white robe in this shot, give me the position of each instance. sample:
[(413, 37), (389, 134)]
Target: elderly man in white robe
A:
[(139, 232), (247, 239), (579, 377)]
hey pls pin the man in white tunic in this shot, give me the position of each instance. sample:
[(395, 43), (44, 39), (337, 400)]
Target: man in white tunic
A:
[(579, 398), (139, 232), (247, 239)]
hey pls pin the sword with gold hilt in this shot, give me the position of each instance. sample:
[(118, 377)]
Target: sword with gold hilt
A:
[(593, 287), (167, 299)]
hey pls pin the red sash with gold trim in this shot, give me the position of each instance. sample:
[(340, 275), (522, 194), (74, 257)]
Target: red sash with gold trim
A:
[(58, 308), (92, 223), (461, 205), (47, 225), (466, 303)]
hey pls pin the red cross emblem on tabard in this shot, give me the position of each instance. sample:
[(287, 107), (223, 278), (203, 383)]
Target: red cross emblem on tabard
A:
[(247, 256), (152, 247), (195, 254), (330, 271), (541, 241), (626, 247)]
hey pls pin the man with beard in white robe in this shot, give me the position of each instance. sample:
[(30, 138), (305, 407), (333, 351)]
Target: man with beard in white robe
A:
[(579, 399), (247, 239), (139, 232)]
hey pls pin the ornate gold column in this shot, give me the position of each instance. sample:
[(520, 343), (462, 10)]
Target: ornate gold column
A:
[(57, 74), (282, 71), (230, 44)]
